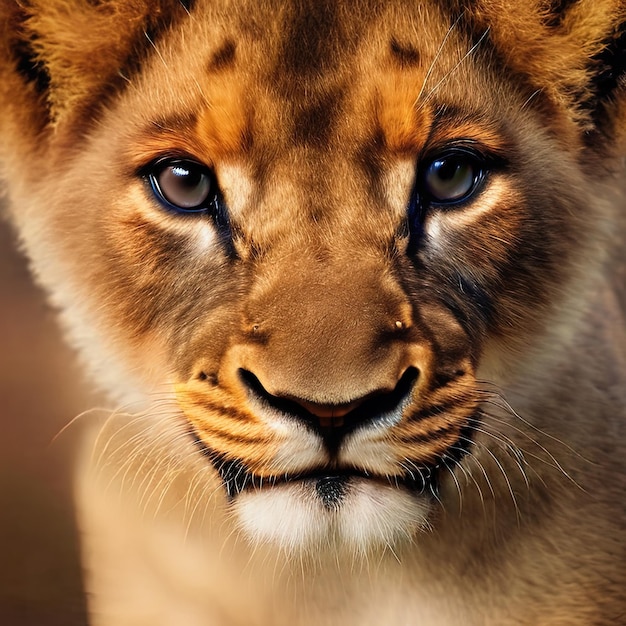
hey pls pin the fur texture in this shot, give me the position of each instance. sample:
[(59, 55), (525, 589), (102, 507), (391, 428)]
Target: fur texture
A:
[(377, 372)]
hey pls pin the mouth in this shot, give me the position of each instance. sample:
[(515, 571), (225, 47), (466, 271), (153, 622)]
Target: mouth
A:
[(330, 482), (345, 492)]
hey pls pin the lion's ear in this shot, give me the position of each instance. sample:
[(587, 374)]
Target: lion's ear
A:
[(70, 50), (573, 51)]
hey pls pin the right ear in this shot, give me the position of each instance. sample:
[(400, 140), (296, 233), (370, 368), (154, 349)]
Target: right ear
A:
[(60, 58)]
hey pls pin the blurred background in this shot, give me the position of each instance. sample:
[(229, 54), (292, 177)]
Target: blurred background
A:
[(41, 390)]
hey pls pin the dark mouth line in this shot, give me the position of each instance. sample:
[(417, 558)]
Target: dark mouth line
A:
[(420, 477), (237, 477)]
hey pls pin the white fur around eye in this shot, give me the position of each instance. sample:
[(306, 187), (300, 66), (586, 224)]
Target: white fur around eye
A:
[(198, 230), (439, 223), (236, 187)]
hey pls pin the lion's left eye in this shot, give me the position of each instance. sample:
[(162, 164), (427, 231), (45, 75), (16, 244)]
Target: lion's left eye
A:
[(451, 177), (182, 185)]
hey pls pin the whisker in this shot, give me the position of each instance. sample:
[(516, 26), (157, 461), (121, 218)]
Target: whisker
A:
[(512, 449), (447, 76), (458, 486), (147, 36), (436, 58), (506, 479), (530, 98), (552, 460), (507, 407), (468, 475), (480, 466), (75, 419)]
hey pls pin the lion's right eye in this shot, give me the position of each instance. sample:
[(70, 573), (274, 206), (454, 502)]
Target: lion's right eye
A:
[(452, 177), (450, 180), (183, 185)]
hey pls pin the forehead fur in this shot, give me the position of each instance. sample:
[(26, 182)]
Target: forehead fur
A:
[(557, 48)]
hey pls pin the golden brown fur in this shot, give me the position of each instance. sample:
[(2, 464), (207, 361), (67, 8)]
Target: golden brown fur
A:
[(342, 400)]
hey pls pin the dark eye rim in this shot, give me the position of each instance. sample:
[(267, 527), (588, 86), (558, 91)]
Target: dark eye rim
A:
[(150, 174), (483, 165)]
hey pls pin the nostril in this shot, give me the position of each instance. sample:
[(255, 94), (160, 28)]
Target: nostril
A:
[(258, 393)]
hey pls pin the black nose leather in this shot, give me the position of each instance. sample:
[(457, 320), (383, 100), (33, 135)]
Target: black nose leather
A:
[(334, 421)]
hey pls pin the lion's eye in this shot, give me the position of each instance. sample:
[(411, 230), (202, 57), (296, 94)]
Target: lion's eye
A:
[(452, 177), (182, 185)]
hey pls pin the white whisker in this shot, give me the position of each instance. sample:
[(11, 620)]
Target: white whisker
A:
[(147, 36), (447, 76), (436, 58)]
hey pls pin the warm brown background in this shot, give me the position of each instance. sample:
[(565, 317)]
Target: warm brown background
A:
[(39, 560)]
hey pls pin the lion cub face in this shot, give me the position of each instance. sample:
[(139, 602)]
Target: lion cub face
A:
[(312, 226)]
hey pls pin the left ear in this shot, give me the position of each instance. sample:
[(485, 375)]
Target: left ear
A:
[(574, 51)]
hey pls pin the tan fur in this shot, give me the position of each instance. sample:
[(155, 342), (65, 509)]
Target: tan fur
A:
[(291, 363)]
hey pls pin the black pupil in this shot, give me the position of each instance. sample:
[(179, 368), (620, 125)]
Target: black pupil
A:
[(447, 169)]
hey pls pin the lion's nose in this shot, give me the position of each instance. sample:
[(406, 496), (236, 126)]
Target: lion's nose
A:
[(334, 421), (330, 351)]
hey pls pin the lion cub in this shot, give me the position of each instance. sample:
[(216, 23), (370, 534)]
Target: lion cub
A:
[(353, 276)]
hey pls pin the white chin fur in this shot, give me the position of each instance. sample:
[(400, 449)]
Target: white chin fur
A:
[(293, 517)]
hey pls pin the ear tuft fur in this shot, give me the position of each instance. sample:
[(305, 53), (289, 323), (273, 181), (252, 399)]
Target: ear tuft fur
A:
[(70, 49), (573, 50)]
